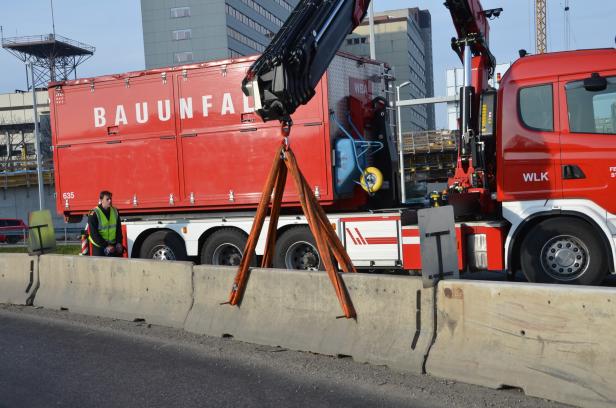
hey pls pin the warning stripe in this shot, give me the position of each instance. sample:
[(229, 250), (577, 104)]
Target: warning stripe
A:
[(410, 232), (360, 240), (351, 235), (382, 240), (410, 240), (363, 240)]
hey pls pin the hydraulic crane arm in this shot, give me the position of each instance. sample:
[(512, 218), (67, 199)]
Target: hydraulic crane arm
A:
[(471, 45), (286, 74), (471, 23)]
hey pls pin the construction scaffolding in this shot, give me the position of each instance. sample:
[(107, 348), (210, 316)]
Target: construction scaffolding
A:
[(22, 173), (429, 156)]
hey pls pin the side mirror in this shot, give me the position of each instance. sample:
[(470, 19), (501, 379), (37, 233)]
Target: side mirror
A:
[(595, 83)]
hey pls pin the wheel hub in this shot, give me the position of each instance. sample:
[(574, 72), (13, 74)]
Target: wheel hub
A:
[(227, 254), (565, 258), (163, 253), (308, 260), (303, 256)]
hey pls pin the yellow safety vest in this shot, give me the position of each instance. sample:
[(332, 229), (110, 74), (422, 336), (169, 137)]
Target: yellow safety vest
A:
[(106, 227)]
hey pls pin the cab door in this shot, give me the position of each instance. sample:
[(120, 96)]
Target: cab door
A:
[(588, 139), (530, 142)]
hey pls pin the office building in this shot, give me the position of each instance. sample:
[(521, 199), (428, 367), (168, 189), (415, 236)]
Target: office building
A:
[(403, 39), (180, 32)]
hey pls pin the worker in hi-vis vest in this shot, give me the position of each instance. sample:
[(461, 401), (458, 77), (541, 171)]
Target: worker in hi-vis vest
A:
[(105, 232)]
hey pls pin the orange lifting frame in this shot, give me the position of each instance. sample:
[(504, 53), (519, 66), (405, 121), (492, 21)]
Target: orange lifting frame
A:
[(328, 244)]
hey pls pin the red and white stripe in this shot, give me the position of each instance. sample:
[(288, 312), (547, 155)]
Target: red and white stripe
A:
[(85, 247)]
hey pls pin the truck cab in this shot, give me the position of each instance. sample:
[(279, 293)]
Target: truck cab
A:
[(556, 160)]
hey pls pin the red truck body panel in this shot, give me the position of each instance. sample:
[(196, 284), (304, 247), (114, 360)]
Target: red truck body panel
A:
[(182, 139)]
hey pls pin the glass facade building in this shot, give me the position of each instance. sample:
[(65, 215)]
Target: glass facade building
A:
[(179, 32), (403, 39)]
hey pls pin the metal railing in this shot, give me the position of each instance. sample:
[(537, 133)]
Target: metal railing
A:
[(19, 235), (15, 41), (10, 165)]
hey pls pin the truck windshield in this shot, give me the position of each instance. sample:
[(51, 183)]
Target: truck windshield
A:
[(592, 112)]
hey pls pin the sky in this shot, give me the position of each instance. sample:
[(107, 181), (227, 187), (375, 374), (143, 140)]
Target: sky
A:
[(114, 28)]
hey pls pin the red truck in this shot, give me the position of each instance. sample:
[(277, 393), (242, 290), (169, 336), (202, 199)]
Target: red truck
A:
[(12, 230), (186, 155)]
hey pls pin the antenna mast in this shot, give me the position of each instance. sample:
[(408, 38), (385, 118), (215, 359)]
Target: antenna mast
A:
[(567, 26), (53, 22)]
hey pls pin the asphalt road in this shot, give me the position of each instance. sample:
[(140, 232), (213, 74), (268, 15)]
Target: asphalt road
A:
[(52, 358)]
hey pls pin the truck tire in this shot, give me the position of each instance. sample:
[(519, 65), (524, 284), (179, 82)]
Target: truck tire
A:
[(163, 245), (225, 247), (563, 250), (296, 249)]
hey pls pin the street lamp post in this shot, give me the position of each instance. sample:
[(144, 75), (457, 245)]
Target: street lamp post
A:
[(400, 149), (37, 146), (371, 24)]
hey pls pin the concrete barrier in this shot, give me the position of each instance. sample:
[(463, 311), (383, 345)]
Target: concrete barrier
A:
[(159, 292), (553, 341), (18, 278), (298, 310)]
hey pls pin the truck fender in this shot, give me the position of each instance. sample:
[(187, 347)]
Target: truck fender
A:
[(518, 230)]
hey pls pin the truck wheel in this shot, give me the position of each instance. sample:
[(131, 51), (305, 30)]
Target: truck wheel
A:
[(563, 250), (163, 246), (297, 249), (225, 247)]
